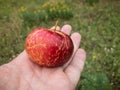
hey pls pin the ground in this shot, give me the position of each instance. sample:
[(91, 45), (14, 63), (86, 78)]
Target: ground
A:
[(98, 24)]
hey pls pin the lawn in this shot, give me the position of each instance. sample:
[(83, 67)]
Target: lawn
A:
[(98, 24)]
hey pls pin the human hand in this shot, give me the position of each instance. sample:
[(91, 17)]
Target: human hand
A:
[(22, 74)]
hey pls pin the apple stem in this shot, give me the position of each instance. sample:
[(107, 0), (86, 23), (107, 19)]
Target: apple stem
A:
[(56, 24)]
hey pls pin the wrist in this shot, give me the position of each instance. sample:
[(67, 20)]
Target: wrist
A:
[(4, 76)]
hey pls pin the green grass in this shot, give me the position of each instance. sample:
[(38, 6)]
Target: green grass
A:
[(99, 26)]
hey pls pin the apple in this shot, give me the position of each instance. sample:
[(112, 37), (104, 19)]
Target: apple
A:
[(49, 48)]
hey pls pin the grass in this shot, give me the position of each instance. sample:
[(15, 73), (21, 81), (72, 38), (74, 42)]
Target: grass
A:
[(99, 26)]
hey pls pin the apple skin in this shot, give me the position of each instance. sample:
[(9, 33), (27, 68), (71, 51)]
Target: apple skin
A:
[(49, 48)]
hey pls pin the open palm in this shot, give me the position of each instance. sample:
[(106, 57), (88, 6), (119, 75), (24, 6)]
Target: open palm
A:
[(22, 74)]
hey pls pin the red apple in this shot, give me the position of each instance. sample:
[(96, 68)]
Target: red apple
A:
[(49, 48)]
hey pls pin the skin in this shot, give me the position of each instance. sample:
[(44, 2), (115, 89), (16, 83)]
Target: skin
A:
[(22, 74)]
